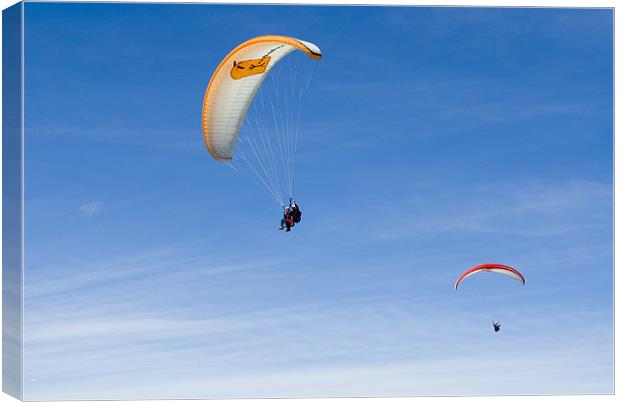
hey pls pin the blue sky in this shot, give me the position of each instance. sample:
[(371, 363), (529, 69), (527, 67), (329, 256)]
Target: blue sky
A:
[(433, 139)]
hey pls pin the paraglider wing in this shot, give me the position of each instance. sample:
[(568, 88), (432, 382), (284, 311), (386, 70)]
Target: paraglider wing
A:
[(498, 268), (235, 82)]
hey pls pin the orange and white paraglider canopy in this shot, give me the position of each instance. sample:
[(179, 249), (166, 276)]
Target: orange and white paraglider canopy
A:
[(234, 84)]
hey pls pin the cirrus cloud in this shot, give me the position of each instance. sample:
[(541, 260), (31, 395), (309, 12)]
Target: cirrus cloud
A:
[(91, 209)]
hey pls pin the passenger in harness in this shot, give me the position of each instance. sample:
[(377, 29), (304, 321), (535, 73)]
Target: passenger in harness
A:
[(287, 220)]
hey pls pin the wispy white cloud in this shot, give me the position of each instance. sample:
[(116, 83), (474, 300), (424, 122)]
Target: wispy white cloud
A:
[(348, 343), (91, 209), (436, 108), (364, 348), (531, 209)]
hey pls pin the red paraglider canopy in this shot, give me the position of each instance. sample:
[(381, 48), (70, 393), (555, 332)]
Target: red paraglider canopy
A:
[(498, 268)]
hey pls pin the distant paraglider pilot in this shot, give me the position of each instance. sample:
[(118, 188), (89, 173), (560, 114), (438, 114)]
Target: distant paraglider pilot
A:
[(496, 326)]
